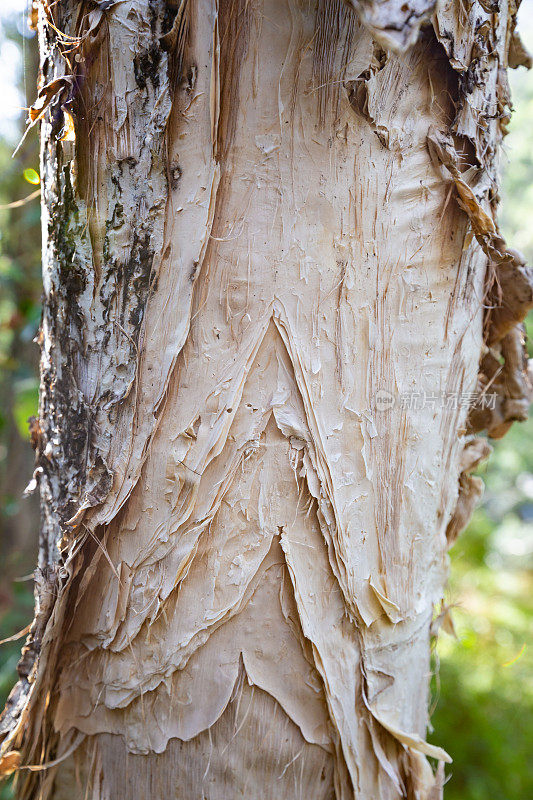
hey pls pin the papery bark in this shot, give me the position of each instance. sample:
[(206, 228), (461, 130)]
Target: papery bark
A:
[(267, 256)]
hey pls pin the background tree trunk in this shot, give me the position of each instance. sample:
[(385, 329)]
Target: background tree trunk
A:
[(269, 247)]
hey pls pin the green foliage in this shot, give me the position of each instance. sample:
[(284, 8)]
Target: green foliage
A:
[(32, 176), (16, 611), (26, 403), (484, 690), (20, 292)]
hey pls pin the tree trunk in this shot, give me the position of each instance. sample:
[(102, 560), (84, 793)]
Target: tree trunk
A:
[(273, 288)]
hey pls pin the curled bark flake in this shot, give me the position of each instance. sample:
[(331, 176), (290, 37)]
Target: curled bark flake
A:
[(518, 55), (470, 487), (359, 90), (9, 763), (54, 90), (421, 782), (394, 23), (509, 297), (505, 378)]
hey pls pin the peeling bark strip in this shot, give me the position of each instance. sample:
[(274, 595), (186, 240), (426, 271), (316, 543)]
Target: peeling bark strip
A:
[(269, 230)]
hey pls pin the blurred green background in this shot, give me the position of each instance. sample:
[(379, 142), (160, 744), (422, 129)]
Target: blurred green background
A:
[(483, 679)]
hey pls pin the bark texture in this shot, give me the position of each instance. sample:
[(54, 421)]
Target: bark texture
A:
[(268, 225)]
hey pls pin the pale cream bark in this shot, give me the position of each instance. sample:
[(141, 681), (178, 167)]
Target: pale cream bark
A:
[(273, 285)]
